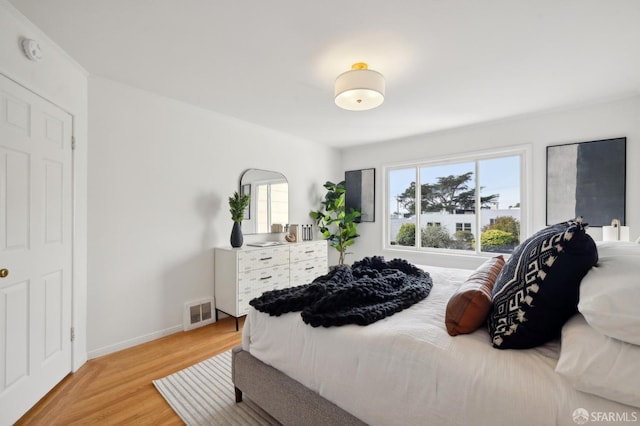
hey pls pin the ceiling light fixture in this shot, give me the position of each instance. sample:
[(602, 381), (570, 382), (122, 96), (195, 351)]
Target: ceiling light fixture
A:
[(359, 89)]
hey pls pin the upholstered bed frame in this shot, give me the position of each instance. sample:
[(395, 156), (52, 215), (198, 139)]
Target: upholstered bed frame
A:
[(285, 399)]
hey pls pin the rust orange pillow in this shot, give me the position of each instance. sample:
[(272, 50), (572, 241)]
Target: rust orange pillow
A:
[(469, 307)]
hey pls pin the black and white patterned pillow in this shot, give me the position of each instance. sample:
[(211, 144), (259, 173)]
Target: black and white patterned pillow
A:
[(537, 290)]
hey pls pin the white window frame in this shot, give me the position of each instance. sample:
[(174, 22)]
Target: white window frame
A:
[(526, 193)]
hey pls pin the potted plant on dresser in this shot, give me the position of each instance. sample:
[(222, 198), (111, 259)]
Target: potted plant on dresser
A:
[(237, 205), (337, 225)]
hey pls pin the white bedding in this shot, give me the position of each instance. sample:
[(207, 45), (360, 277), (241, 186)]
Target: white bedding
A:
[(407, 370)]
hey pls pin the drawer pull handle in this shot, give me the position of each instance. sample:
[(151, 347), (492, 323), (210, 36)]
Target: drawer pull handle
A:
[(309, 268), (309, 251), (266, 258), (266, 278)]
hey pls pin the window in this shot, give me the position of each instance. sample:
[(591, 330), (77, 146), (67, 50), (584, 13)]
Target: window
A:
[(469, 204), (463, 226), (401, 220)]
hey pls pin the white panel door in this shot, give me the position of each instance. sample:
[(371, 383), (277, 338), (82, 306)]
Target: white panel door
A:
[(35, 248)]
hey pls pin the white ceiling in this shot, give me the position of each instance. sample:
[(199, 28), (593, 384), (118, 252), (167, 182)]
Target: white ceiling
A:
[(447, 63)]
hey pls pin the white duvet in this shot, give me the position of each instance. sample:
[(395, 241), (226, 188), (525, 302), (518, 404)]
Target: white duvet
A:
[(406, 369)]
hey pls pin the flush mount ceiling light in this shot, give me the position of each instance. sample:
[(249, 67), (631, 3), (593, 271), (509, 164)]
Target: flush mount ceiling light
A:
[(359, 89)]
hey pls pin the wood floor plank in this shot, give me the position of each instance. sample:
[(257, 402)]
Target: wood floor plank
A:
[(116, 389)]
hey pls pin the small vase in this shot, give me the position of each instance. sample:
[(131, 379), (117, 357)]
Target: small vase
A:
[(236, 235)]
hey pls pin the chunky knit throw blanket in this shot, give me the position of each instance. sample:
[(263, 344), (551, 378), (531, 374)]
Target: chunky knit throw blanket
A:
[(364, 293)]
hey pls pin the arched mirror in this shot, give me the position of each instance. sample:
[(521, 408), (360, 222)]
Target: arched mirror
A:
[(268, 210)]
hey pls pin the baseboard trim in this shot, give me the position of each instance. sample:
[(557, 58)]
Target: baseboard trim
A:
[(133, 342)]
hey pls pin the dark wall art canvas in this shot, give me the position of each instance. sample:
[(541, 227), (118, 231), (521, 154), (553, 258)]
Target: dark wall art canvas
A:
[(360, 186), (587, 179)]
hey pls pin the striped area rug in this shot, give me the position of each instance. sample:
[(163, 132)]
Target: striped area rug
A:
[(203, 394)]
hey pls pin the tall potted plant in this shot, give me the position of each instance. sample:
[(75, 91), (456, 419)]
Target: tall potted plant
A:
[(237, 205), (337, 225)]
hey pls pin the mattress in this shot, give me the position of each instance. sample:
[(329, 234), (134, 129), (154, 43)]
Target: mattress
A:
[(406, 369)]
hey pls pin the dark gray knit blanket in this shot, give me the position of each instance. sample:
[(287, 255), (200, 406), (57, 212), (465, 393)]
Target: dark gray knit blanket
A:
[(369, 290)]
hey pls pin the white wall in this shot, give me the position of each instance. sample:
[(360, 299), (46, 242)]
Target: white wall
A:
[(60, 80), (601, 121), (160, 175)]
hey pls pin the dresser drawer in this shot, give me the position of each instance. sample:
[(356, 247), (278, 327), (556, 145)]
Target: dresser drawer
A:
[(309, 250), (243, 305), (263, 279), (252, 284), (307, 271), (266, 258)]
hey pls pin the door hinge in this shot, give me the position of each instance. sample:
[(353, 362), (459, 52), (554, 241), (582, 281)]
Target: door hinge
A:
[(73, 334), (73, 143)]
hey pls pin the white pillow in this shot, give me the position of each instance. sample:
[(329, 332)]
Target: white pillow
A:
[(610, 292), (599, 365)]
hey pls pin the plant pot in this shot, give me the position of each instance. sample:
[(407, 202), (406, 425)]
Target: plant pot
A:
[(236, 235)]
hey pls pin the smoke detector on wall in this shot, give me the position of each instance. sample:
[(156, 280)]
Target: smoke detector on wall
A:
[(32, 49)]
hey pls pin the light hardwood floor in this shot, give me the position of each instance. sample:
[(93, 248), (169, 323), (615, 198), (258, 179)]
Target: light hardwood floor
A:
[(116, 389)]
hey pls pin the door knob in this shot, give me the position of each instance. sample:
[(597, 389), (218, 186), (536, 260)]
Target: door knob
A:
[(4, 272)]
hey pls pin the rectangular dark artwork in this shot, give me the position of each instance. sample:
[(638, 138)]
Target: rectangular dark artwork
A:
[(360, 186), (587, 179)]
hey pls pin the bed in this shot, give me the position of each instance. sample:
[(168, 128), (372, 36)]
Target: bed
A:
[(407, 369)]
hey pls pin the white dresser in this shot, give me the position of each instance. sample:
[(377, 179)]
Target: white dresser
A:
[(244, 273)]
